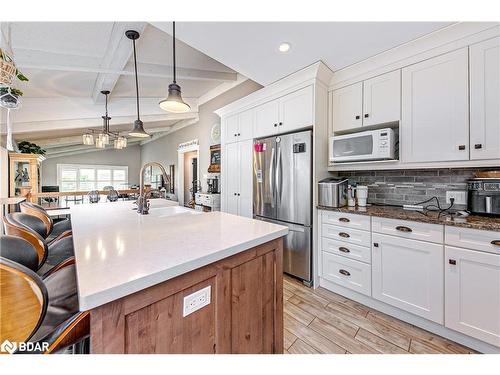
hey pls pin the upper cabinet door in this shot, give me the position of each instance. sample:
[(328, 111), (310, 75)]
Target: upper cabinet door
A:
[(348, 107), (435, 116), (382, 99), (485, 99), (245, 124), (296, 110), (266, 119), (231, 129)]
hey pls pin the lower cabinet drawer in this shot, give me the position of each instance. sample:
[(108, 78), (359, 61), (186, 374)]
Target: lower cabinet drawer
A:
[(482, 240), (354, 236), (347, 272), (361, 253)]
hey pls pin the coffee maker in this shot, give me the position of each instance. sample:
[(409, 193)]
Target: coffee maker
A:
[(484, 196), (213, 185)]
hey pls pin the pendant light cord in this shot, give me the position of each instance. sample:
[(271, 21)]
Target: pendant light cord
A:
[(173, 39), (136, 82), (106, 121)]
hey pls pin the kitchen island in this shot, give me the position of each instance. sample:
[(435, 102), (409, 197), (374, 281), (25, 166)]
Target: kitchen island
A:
[(134, 273)]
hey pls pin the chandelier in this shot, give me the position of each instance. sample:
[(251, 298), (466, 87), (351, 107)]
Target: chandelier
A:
[(104, 136)]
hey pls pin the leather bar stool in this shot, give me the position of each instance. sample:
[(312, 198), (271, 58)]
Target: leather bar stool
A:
[(52, 230), (30, 228), (41, 311), (20, 251)]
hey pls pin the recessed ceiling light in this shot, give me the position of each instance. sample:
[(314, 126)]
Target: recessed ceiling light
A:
[(284, 47)]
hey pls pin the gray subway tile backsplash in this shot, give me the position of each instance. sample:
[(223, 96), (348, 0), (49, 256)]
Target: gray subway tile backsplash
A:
[(398, 187)]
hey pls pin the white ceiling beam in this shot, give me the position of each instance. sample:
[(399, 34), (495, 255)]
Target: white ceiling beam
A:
[(221, 89), (117, 55), (43, 60), (68, 108), (82, 150)]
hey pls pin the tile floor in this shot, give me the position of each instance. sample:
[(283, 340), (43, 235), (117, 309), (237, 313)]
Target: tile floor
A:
[(318, 321)]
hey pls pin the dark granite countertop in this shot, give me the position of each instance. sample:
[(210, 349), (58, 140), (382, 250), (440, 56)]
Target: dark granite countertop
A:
[(431, 217)]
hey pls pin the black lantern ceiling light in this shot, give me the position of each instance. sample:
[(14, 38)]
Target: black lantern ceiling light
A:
[(104, 135), (138, 130), (174, 102)]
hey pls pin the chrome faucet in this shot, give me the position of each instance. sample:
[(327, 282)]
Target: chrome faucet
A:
[(142, 201)]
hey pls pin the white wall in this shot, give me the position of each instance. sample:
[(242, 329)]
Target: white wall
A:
[(129, 156), (164, 150)]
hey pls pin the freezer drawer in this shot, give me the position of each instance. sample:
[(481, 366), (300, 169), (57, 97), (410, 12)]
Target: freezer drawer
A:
[(297, 251)]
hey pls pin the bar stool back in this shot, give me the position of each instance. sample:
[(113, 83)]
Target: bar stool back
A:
[(38, 211)]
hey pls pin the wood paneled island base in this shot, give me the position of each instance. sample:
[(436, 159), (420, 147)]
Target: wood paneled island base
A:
[(245, 314)]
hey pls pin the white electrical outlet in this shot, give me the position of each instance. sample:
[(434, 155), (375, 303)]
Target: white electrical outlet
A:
[(459, 195), (196, 301)]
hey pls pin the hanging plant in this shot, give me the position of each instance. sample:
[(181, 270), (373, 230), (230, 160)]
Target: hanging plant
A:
[(26, 147), (9, 97)]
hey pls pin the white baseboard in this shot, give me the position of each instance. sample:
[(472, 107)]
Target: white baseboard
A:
[(438, 329)]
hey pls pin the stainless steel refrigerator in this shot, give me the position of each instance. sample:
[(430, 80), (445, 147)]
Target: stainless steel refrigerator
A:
[(282, 194)]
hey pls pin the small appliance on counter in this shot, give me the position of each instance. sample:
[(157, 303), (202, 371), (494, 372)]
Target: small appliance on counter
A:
[(484, 196), (332, 192)]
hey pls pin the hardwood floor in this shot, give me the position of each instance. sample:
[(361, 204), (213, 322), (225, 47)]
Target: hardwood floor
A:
[(318, 321)]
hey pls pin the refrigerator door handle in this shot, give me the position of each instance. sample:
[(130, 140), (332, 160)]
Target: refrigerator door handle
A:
[(279, 176), (271, 177)]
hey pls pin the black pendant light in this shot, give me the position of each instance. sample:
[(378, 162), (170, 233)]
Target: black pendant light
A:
[(138, 130), (174, 102)]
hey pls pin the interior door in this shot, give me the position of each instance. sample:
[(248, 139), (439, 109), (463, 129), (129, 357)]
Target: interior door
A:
[(293, 177), (382, 99), (264, 177), (232, 182), (435, 115), (485, 99), (348, 107)]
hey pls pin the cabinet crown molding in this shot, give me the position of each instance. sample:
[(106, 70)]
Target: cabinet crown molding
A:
[(317, 73)]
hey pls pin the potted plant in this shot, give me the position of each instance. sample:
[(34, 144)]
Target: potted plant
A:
[(26, 147), (9, 96)]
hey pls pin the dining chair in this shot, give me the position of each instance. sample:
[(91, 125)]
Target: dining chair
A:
[(54, 231), (19, 250), (113, 195), (94, 196), (41, 311)]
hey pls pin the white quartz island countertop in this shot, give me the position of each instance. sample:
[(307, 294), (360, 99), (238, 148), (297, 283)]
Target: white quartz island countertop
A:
[(119, 252)]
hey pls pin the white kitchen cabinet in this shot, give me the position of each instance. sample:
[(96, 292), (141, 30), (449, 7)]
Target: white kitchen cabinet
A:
[(296, 110), (435, 116), (472, 305), (231, 129), (232, 181), (239, 127), (408, 274), (485, 99), (238, 184), (382, 99), (348, 107), (346, 272), (266, 119), (287, 113)]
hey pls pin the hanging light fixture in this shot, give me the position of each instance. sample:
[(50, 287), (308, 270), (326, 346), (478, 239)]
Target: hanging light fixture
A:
[(138, 130), (174, 102), (104, 135), (99, 143), (123, 141), (88, 139), (117, 144)]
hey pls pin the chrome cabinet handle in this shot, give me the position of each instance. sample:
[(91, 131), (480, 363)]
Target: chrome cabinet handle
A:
[(271, 177), (343, 234), (344, 272), (495, 242), (344, 249), (402, 228), (344, 220)]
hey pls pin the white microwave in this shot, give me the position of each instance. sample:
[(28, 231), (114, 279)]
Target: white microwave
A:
[(363, 146)]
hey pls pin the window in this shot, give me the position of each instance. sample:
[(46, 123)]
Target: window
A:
[(78, 177)]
